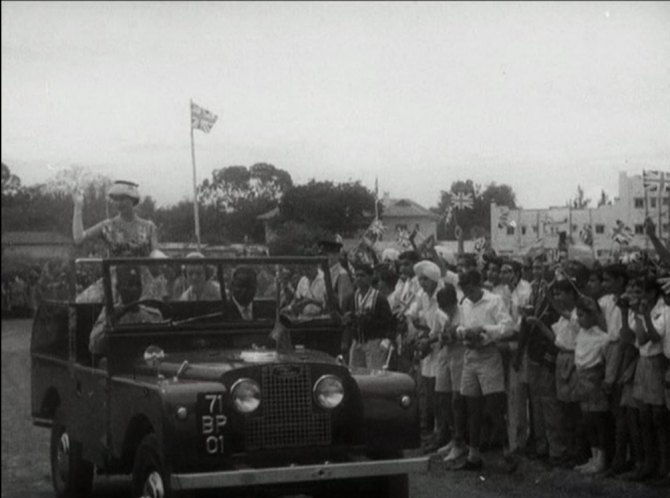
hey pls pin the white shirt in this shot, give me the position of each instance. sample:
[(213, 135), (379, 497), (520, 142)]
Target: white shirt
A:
[(490, 313), (246, 312), (566, 331), (404, 294), (316, 289), (612, 314), (590, 347), (428, 312), (519, 298)]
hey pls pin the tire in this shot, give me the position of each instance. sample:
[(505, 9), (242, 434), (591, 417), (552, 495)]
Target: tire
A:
[(150, 478), (71, 475)]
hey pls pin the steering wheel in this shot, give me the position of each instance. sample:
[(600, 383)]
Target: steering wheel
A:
[(162, 306)]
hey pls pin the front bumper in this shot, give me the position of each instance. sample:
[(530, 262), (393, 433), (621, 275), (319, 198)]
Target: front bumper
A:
[(297, 473)]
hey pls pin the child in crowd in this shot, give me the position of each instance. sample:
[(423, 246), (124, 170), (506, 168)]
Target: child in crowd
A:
[(590, 373)]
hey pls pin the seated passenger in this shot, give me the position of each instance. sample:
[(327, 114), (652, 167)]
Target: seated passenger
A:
[(201, 288), (241, 305), (129, 289), (310, 296)]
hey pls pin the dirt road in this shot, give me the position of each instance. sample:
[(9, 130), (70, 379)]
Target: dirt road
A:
[(26, 473)]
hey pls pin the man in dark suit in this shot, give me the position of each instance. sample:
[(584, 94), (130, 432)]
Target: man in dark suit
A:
[(369, 328), (241, 305)]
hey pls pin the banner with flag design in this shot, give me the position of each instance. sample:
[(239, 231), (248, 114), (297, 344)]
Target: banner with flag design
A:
[(201, 118), (656, 181), (622, 234), (402, 238), (462, 200)]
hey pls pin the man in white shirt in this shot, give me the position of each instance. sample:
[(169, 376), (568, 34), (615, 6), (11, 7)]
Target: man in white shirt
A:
[(484, 320), (423, 316), (339, 276)]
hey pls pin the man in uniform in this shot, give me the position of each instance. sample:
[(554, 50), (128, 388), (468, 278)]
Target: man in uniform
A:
[(129, 288)]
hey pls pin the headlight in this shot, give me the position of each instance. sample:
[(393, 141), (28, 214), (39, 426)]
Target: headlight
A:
[(246, 395), (328, 391)]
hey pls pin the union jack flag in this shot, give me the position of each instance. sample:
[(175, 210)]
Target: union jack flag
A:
[(402, 238), (656, 181), (622, 234), (201, 118), (586, 234), (462, 200)]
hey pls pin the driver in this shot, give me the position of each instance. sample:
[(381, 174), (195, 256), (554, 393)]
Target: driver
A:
[(129, 289)]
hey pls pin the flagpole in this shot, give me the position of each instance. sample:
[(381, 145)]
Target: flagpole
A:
[(646, 206), (195, 188)]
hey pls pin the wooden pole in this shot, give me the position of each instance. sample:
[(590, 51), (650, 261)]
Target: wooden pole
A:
[(195, 188)]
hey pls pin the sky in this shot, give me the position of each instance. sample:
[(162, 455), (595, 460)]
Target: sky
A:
[(541, 96)]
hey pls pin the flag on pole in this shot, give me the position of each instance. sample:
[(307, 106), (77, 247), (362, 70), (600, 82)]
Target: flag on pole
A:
[(622, 234), (656, 181), (586, 234), (402, 238), (201, 118), (462, 200)]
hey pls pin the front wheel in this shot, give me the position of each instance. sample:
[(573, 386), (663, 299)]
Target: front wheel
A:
[(72, 476), (150, 479)]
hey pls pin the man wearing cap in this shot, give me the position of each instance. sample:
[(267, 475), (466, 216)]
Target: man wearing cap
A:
[(129, 288), (126, 235), (423, 314), (339, 276), (484, 320), (369, 328)]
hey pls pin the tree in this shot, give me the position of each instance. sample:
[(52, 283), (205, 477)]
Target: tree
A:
[(294, 238), (11, 183), (231, 187), (342, 208), (604, 199), (475, 221), (580, 202)]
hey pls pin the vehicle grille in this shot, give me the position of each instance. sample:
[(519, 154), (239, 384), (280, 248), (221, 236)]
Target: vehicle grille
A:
[(288, 418)]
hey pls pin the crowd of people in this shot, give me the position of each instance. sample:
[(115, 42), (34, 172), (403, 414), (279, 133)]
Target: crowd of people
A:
[(556, 360)]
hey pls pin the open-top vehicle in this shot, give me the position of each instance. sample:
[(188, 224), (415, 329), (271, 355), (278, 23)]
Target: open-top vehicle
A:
[(230, 392)]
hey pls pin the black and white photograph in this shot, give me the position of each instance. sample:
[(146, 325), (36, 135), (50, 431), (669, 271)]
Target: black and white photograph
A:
[(322, 249)]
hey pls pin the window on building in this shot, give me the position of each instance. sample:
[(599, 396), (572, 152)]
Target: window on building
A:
[(639, 229), (574, 228), (600, 228), (666, 227), (534, 228), (652, 202), (523, 230), (401, 227), (666, 200), (510, 230), (638, 203)]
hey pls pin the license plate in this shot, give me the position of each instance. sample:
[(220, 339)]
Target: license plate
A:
[(211, 423)]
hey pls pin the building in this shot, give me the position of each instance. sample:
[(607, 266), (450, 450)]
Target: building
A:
[(535, 228), (36, 246), (406, 214)]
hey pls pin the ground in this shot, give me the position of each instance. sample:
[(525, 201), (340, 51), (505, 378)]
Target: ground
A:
[(26, 474)]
